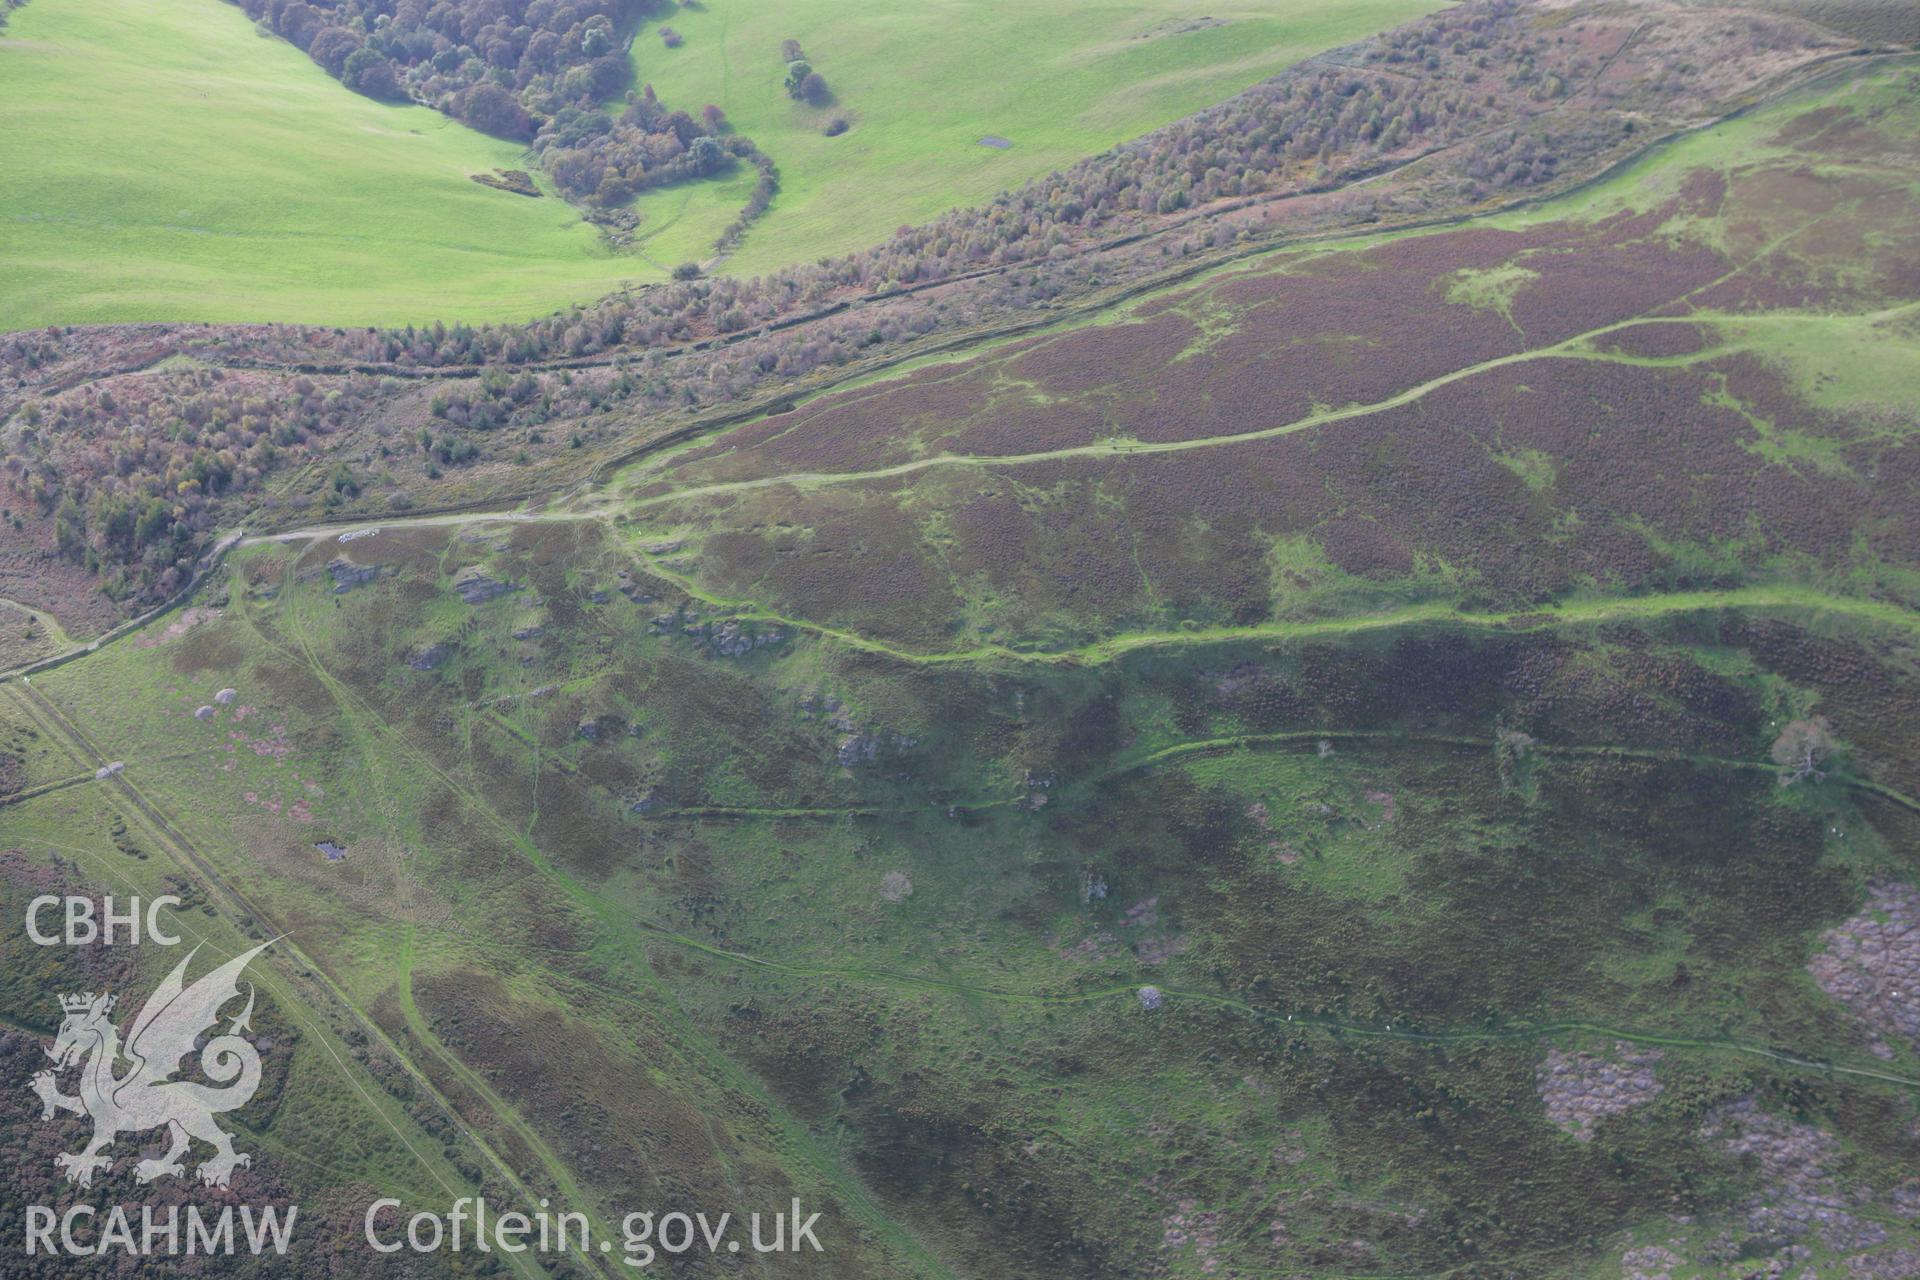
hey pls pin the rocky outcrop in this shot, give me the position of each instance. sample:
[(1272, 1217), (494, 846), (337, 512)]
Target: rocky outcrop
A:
[(434, 655), (604, 725), (875, 746), (732, 638), (477, 586), (723, 637), (347, 574)]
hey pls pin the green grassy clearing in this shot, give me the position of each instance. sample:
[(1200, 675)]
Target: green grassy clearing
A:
[(920, 85)]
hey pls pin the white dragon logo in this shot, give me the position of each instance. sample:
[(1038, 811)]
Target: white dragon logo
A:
[(146, 1097)]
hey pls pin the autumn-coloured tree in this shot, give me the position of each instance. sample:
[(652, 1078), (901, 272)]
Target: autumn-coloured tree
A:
[(1804, 749)]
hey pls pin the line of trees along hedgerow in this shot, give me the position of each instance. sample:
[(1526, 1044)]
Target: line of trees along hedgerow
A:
[(550, 73)]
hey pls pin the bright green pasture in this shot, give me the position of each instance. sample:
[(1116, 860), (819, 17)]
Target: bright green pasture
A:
[(165, 162), (920, 84)]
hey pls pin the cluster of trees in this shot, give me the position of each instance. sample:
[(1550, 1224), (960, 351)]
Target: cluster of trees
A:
[(803, 83), (500, 397), (537, 71), (130, 470), (605, 159), (544, 53)]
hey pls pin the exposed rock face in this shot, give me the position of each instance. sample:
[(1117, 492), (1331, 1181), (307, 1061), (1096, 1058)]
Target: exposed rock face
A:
[(1871, 964), (731, 638), (593, 728), (432, 656), (1579, 1088), (347, 575), (477, 586), (723, 637), (828, 706), (872, 747)]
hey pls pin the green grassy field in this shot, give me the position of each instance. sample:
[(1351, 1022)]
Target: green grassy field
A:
[(920, 85), (164, 162), (168, 163)]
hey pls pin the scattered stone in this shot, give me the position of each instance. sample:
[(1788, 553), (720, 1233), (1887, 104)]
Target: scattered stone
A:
[(599, 597), (476, 586), (1653, 1262), (434, 655), (226, 696), (331, 851), (648, 801), (347, 575), (896, 887), (204, 713), (1150, 997), (1800, 1197), (995, 141), (529, 633), (1871, 963), (1579, 1088)]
